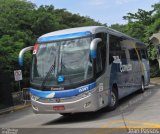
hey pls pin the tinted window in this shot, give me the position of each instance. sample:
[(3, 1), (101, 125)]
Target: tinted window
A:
[(116, 47), (133, 54), (143, 54), (114, 43)]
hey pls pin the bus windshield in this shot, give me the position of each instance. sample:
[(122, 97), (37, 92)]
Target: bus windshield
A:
[(69, 58)]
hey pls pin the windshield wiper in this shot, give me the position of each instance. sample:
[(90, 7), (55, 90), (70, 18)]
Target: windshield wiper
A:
[(47, 75)]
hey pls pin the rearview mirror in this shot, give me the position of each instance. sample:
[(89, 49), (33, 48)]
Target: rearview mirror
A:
[(93, 47), (22, 52)]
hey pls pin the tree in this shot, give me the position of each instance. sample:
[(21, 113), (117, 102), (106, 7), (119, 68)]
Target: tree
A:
[(120, 28), (21, 23), (145, 17)]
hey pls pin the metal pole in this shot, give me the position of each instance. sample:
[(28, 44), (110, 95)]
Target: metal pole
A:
[(19, 83)]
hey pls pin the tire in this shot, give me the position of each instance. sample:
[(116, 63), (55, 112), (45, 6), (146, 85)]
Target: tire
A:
[(142, 89), (65, 114), (114, 100)]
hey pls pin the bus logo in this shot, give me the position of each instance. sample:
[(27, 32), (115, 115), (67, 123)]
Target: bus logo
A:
[(83, 89), (123, 68), (58, 88), (51, 95)]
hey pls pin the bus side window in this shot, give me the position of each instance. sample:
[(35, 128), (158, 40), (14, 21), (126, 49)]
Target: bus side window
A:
[(115, 49), (123, 57), (140, 54), (133, 54), (144, 54)]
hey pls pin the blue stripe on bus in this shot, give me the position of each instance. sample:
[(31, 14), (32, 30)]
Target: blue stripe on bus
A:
[(63, 93), (64, 36)]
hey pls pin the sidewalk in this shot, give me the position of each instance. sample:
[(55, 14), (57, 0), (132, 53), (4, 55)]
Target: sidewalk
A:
[(155, 81), (14, 108)]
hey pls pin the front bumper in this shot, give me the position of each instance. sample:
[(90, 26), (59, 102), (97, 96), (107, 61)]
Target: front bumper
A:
[(91, 102)]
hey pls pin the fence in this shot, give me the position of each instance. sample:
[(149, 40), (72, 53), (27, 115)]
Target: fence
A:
[(21, 97)]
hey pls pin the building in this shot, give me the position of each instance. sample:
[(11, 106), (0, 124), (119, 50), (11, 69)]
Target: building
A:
[(155, 39)]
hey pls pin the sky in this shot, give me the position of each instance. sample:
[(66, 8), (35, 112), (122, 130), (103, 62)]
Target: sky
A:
[(104, 11)]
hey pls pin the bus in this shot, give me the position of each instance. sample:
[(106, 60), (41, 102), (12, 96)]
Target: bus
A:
[(85, 69)]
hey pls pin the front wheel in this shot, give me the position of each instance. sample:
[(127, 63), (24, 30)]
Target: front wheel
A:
[(114, 100)]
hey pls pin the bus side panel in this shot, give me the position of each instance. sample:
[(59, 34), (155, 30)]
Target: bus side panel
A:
[(103, 92), (122, 72), (146, 72), (135, 61)]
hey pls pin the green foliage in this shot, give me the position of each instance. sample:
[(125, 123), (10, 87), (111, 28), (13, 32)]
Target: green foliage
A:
[(21, 23), (154, 71), (145, 17), (152, 51), (142, 25), (120, 28)]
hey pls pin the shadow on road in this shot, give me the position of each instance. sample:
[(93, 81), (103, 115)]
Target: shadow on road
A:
[(126, 106)]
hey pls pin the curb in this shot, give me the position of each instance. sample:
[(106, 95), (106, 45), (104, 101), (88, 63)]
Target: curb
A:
[(14, 108)]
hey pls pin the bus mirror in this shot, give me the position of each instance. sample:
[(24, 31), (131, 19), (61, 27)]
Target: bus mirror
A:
[(24, 50), (93, 47)]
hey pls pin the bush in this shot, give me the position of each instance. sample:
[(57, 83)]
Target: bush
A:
[(155, 71)]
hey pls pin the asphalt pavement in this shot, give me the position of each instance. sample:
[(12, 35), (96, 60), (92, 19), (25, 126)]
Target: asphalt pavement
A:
[(135, 111)]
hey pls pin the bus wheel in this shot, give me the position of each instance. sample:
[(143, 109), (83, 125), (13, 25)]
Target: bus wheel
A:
[(142, 86), (114, 100), (65, 114)]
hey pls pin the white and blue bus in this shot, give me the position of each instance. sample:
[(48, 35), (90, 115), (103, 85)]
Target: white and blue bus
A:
[(85, 69)]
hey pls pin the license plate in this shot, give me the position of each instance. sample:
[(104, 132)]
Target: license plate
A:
[(58, 108)]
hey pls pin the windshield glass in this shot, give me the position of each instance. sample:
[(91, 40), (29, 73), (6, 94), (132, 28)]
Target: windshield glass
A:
[(67, 60)]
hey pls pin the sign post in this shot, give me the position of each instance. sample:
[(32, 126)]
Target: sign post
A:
[(18, 77)]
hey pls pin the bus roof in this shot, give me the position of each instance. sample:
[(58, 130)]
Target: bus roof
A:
[(80, 32)]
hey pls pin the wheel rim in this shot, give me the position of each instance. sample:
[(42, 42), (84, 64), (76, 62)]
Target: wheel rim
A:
[(113, 98)]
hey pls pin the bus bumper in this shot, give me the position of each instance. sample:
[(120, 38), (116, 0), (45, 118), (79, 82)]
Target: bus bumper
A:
[(91, 102)]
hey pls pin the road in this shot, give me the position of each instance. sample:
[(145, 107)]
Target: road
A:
[(135, 111)]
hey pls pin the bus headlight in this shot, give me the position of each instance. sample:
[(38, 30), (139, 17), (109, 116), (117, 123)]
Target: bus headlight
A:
[(35, 98)]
